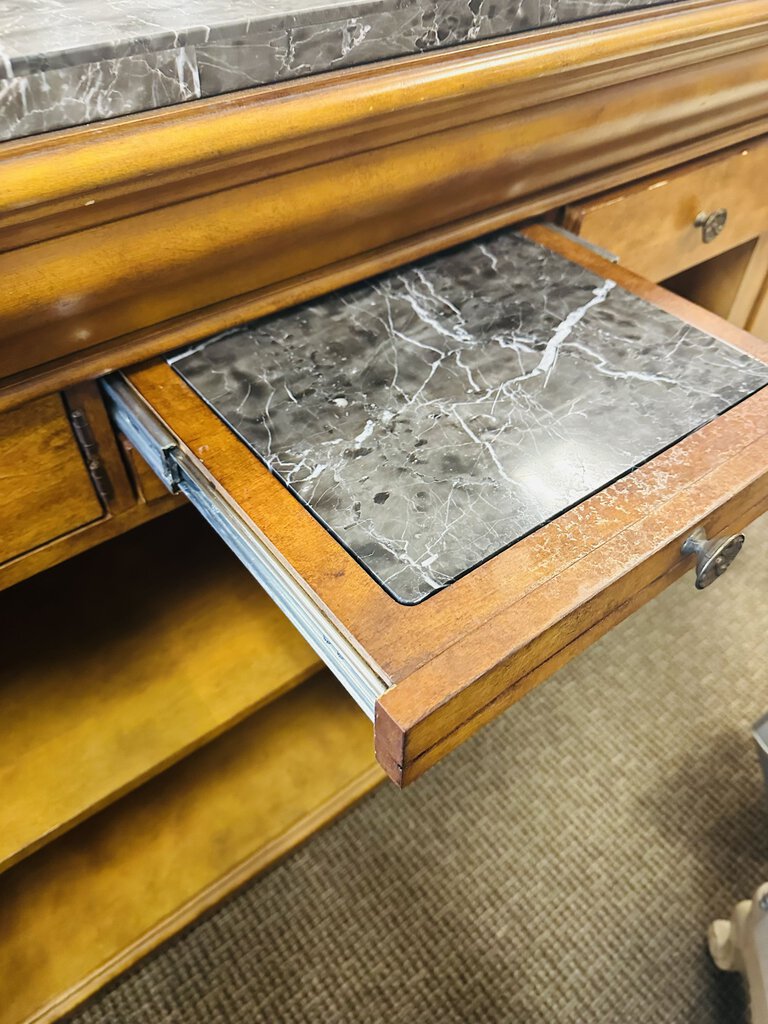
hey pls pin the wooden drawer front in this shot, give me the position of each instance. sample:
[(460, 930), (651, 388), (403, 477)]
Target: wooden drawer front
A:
[(46, 490), (519, 379), (650, 225)]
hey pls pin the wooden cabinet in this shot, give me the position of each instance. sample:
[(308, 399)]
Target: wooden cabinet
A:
[(180, 649), (46, 488), (175, 692), (209, 713)]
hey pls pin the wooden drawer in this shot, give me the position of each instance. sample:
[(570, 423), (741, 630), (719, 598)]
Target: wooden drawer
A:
[(46, 490), (454, 478), (650, 225)]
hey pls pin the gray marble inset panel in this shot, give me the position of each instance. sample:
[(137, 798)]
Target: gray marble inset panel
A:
[(64, 97), (431, 417)]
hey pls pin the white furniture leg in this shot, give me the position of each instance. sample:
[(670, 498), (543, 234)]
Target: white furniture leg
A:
[(741, 944)]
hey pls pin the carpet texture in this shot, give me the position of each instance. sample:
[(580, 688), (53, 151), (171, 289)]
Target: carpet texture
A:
[(560, 868)]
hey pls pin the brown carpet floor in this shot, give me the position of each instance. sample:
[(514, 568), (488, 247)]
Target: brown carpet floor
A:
[(561, 868)]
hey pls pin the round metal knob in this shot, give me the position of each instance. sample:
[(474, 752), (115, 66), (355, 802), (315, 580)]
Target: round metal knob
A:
[(712, 556), (711, 224)]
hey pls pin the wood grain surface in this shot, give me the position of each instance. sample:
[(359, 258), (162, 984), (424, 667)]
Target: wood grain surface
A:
[(45, 489), (86, 907), (59, 549), (470, 645), (48, 496), (123, 661), (134, 236), (650, 224)]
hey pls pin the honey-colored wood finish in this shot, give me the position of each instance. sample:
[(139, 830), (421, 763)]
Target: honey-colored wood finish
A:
[(286, 127), (752, 285), (387, 161), (148, 486), (751, 302), (123, 661), (475, 646), (62, 548), (86, 400), (758, 318), (731, 285), (722, 285), (86, 907), (42, 499), (45, 489), (650, 224)]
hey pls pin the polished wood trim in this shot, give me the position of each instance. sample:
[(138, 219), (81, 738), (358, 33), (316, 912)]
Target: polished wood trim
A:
[(453, 655), (281, 128), (154, 645), (80, 911), (251, 202), (411, 737)]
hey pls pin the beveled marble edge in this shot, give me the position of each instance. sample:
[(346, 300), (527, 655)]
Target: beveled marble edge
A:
[(17, 60), (93, 60), (42, 49)]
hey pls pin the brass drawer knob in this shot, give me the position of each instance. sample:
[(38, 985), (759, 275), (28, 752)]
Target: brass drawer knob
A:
[(711, 224), (712, 556)]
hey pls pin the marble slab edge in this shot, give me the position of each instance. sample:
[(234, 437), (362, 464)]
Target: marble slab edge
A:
[(48, 82)]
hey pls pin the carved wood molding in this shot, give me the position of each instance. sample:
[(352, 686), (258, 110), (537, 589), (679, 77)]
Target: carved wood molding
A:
[(129, 237)]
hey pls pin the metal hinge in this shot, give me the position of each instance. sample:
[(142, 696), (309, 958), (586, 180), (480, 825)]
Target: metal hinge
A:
[(90, 450)]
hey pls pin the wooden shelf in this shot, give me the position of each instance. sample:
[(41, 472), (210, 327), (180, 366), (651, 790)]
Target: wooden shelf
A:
[(84, 908), (121, 661)]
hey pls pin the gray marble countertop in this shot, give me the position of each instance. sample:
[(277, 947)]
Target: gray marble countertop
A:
[(433, 416), (69, 62)]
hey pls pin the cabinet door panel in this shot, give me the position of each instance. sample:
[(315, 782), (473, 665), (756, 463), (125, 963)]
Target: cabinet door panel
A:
[(46, 490)]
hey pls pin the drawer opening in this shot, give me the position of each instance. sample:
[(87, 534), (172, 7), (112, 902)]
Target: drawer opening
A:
[(667, 400)]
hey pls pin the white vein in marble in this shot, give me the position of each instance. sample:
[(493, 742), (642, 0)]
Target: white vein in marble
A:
[(432, 417), (65, 97), (97, 59)]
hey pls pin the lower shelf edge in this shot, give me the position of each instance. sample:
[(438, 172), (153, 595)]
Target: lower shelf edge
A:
[(94, 902)]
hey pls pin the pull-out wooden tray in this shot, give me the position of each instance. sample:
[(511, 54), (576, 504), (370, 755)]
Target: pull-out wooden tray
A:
[(652, 430)]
